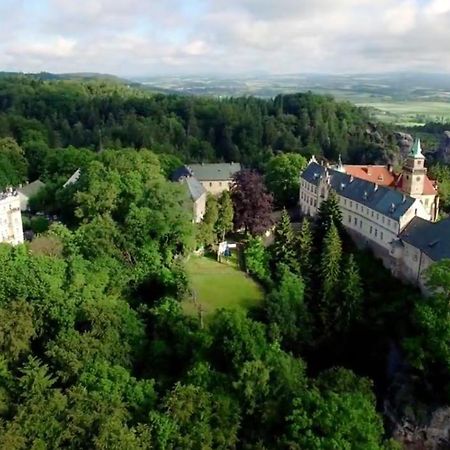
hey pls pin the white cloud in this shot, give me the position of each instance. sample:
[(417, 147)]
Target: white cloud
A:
[(130, 37)]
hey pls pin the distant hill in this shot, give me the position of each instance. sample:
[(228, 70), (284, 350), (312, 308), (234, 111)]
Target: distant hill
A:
[(81, 76)]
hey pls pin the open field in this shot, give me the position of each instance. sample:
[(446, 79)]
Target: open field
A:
[(410, 112), (218, 286)]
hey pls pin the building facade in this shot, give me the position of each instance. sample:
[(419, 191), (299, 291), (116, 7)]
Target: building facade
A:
[(215, 178), (418, 246), (11, 231), (394, 214)]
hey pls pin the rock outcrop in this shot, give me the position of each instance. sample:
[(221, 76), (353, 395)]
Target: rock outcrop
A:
[(443, 152), (404, 142)]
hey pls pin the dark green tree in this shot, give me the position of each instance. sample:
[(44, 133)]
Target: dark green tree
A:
[(283, 249), (330, 273), (224, 223), (329, 213), (350, 304)]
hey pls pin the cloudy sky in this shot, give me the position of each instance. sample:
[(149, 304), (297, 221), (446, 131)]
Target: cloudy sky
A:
[(146, 37)]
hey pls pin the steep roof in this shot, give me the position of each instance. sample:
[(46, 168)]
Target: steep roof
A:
[(196, 190), (32, 188), (180, 173), (382, 199), (433, 238), (376, 174), (214, 172)]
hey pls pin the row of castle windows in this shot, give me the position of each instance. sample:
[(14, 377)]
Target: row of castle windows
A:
[(373, 231)]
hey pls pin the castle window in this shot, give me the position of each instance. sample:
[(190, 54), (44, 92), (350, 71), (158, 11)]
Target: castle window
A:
[(407, 177), (382, 219), (376, 232), (360, 224), (356, 207), (351, 204), (426, 202), (210, 184), (417, 178), (381, 235), (349, 218), (371, 229), (356, 221)]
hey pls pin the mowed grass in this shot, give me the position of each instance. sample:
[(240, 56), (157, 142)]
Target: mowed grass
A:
[(219, 285)]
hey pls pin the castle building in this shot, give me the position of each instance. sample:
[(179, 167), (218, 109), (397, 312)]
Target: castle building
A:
[(412, 180), (395, 214), (11, 231)]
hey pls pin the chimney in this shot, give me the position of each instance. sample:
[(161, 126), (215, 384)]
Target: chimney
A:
[(368, 170), (389, 168), (351, 178)]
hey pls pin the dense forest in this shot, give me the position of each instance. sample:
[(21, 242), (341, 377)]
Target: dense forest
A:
[(41, 115), (96, 351)]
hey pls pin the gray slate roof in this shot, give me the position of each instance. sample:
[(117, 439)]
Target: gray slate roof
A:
[(196, 190), (214, 172), (382, 199), (432, 238), (32, 188)]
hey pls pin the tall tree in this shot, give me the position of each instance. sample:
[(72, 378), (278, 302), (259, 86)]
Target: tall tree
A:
[(349, 308), (283, 249), (252, 203), (305, 248), (329, 213), (283, 177), (330, 272), (207, 228), (256, 259), (224, 223)]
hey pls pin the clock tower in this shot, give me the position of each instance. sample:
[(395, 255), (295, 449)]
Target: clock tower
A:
[(414, 171)]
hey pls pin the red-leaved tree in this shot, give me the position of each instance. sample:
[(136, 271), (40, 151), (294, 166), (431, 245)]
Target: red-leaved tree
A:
[(252, 203)]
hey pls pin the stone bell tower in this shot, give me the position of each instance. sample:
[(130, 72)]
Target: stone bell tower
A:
[(414, 171)]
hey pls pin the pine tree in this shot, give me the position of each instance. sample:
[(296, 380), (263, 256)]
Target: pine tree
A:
[(283, 249), (305, 246), (330, 271), (329, 212), (350, 308)]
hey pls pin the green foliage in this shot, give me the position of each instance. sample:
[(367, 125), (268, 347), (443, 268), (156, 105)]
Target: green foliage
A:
[(285, 308), (283, 250), (207, 228), (349, 307), (330, 272), (13, 164), (329, 213), (224, 222), (339, 412), (283, 177), (304, 250), (432, 314), (257, 259), (441, 173)]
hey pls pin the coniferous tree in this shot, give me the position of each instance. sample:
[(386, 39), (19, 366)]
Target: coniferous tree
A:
[(330, 271), (305, 247), (284, 247), (329, 212), (349, 308)]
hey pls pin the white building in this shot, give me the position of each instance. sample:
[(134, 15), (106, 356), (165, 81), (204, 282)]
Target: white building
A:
[(11, 231), (419, 245), (392, 213)]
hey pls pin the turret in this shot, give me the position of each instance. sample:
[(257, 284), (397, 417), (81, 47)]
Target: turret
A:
[(414, 172)]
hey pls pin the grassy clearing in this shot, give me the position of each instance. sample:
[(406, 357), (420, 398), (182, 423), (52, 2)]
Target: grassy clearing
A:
[(219, 285)]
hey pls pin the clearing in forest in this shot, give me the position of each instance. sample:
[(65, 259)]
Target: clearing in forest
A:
[(219, 285)]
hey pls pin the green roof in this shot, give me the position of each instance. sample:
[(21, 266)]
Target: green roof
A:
[(416, 149)]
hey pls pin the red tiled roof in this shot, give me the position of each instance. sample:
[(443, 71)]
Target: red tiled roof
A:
[(376, 174), (382, 176)]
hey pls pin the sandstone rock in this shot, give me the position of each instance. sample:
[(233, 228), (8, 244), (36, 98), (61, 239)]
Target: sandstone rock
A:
[(443, 152), (405, 142)]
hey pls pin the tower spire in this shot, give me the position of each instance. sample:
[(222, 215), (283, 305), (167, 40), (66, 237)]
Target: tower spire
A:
[(416, 149)]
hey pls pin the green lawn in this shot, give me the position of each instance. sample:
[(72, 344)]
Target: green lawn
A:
[(218, 286)]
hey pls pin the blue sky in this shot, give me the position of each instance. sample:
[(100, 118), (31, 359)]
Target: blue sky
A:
[(148, 37)]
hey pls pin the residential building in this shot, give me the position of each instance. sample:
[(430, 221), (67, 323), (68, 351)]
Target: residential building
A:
[(11, 231), (215, 178), (27, 191), (196, 193)]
